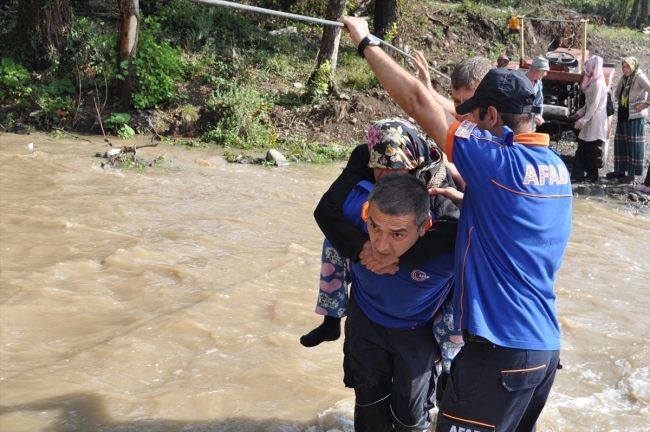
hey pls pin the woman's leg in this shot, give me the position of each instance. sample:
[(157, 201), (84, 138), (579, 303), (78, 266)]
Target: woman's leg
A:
[(450, 341), (636, 146), (592, 150), (620, 151), (332, 298), (578, 170)]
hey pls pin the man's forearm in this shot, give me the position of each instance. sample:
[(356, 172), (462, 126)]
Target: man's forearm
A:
[(446, 103)]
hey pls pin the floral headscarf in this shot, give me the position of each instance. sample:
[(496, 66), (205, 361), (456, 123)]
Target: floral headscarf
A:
[(627, 81), (593, 71), (395, 143)]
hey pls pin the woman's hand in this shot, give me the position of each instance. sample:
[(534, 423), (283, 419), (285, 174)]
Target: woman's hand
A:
[(423, 69), (367, 258), (454, 195), (576, 116), (639, 107), (577, 125)]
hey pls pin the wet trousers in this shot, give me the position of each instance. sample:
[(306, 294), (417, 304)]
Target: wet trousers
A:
[(493, 388), (393, 373)]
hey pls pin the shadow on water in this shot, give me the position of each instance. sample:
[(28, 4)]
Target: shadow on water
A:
[(86, 412)]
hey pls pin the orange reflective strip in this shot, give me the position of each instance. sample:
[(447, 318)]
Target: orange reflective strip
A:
[(449, 144), (530, 194), (462, 284), (524, 370), (534, 139), (468, 421), (487, 139), (444, 294)]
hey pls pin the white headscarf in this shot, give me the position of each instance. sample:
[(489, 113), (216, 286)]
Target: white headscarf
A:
[(593, 68)]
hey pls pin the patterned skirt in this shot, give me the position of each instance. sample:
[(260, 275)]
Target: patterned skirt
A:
[(629, 146)]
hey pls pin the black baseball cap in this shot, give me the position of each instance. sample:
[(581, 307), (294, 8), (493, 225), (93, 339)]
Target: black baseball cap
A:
[(509, 91)]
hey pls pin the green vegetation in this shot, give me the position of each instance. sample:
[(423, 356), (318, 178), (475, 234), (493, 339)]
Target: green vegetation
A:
[(240, 71), (14, 80), (158, 67), (119, 122)]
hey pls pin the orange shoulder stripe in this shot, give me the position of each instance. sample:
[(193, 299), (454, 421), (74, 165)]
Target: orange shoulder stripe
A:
[(449, 144)]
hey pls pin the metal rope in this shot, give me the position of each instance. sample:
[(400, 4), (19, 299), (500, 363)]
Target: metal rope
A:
[(302, 18)]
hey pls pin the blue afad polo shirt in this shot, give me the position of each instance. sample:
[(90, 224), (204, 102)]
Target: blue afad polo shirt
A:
[(513, 229), (407, 299)]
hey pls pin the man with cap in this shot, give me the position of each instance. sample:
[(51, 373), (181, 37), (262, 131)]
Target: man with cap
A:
[(535, 74), (513, 229)]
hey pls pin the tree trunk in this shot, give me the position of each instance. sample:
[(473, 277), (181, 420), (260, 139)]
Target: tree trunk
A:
[(385, 17), (129, 30), (644, 13), (634, 14), (329, 47), (42, 29), (623, 11)]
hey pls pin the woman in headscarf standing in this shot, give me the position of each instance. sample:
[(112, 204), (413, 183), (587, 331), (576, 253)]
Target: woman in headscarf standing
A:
[(591, 121), (629, 141)]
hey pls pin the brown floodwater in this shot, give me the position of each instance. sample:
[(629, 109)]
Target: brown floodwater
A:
[(173, 299)]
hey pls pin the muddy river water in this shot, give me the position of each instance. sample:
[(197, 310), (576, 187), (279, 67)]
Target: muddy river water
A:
[(173, 299)]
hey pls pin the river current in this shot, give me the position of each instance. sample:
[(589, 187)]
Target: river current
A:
[(173, 299)]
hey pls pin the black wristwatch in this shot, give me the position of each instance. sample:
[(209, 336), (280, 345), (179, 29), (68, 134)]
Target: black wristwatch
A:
[(368, 40)]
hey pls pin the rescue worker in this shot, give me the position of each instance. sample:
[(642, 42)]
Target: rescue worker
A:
[(391, 356), (513, 229)]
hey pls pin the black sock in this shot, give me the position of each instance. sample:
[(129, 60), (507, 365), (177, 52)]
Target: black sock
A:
[(329, 331)]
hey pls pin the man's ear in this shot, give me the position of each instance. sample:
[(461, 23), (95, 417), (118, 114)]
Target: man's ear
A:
[(425, 226), (492, 116)]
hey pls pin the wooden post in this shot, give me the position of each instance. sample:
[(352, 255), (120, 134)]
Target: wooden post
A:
[(584, 43), (522, 59), (126, 48)]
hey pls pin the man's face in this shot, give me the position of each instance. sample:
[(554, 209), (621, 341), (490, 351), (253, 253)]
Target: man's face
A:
[(391, 236), (461, 95), (536, 75)]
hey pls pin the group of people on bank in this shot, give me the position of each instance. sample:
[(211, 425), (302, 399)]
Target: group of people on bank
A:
[(447, 307), (594, 120)]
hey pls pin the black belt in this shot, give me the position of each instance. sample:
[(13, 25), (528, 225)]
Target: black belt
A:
[(468, 337)]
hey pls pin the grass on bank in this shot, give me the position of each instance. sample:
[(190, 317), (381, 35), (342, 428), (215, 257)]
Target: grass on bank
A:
[(246, 70)]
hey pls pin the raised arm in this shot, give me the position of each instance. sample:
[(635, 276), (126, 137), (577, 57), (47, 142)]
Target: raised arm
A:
[(425, 78), (405, 89)]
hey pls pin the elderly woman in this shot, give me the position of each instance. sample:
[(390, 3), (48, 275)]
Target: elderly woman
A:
[(591, 122), (629, 141)]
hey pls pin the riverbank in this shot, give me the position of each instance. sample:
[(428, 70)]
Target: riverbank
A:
[(244, 83)]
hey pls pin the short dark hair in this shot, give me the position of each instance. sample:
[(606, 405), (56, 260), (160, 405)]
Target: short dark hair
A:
[(514, 121), (399, 194), (470, 72)]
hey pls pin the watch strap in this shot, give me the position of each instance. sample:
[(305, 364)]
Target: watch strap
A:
[(364, 43)]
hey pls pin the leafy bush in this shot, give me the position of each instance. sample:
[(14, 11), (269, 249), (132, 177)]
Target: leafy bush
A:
[(120, 122), (320, 85), (158, 67), (243, 122), (14, 80)]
